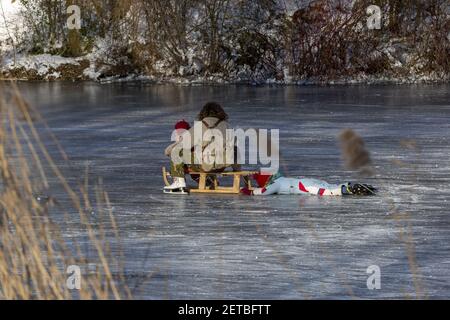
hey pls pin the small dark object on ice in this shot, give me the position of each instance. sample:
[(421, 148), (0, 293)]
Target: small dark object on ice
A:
[(42, 199)]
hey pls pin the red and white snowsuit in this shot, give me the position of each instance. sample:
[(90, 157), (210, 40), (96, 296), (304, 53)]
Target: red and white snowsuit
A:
[(281, 185)]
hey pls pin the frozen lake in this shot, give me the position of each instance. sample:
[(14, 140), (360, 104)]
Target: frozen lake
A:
[(280, 247)]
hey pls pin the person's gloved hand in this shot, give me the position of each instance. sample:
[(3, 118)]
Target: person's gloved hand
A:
[(246, 191)]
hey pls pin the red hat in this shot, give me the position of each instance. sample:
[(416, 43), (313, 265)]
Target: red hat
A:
[(262, 179), (182, 125)]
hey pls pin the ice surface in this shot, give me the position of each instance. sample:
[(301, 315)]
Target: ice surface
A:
[(205, 246)]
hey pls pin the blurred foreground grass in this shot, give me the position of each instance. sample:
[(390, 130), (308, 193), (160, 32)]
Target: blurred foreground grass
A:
[(35, 252)]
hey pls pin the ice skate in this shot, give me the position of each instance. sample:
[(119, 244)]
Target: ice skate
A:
[(177, 187)]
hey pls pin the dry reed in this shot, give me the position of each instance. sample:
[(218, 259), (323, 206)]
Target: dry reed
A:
[(35, 250), (354, 152), (357, 157)]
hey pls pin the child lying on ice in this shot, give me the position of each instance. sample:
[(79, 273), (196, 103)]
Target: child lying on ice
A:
[(277, 184)]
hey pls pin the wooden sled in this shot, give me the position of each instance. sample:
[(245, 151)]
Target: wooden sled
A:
[(213, 186)]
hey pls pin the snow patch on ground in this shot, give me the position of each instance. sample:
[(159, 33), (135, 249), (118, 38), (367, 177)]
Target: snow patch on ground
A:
[(42, 63)]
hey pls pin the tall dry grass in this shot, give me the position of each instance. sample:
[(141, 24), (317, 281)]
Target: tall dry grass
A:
[(35, 250), (357, 157)]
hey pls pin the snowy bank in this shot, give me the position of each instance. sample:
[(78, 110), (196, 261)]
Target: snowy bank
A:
[(45, 67), (274, 42)]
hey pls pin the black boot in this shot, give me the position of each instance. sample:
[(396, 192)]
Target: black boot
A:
[(358, 189)]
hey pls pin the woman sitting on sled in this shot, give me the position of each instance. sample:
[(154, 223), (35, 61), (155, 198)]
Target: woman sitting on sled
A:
[(277, 184), (212, 117)]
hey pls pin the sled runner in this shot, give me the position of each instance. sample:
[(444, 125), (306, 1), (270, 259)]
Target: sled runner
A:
[(208, 182)]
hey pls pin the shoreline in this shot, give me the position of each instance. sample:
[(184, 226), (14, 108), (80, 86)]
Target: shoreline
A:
[(50, 68), (150, 80), (176, 82)]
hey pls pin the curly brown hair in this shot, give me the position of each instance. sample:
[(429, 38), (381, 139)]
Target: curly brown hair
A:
[(212, 110)]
